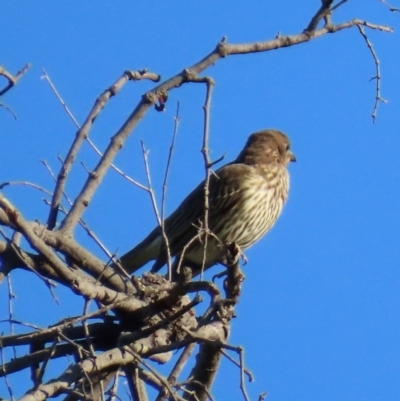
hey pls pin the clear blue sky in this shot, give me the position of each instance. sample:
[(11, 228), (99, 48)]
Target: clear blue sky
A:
[(319, 315)]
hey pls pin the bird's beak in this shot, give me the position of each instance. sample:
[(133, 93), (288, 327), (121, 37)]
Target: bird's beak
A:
[(291, 156)]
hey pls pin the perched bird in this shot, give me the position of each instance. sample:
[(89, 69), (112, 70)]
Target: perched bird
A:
[(246, 198)]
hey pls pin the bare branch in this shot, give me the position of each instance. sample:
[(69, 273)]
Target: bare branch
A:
[(28, 184), (136, 384), (50, 355), (207, 165), (155, 316), (391, 8), (262, 396), (242, 380), (336, 6), (13, 257), (156, 78), (203, 374), (111, 256), (177, 370), (9, 388), (82, 134), (84, 259), (377, 77), (11, 297), (164, 191), (323, 12), (222, 50), (114, 389), (149, 183), (64, 105), (17, 222), (246, 371), (154, 372), (9, 110), (84, 287), (114, 358), (12, 79)]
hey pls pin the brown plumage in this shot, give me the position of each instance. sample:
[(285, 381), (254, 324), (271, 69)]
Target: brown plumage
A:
[(246, 198)]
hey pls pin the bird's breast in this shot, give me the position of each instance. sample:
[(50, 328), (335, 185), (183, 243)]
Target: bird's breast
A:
[(261, 203), (258, 204)]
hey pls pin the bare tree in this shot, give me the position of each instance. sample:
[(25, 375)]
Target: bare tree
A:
[(137, 319)]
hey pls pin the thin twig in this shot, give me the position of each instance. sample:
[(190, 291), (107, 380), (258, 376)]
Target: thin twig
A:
[(30, 325), (8, 385), (9, 110), (28, 184), (83, 133), (91, 143), (11, 297), (64, 105), (82, 351), (164, 192), (114, 388), (191, 76), (49, 284), (36, 241), (150, 189), (377, 77), (185, 248), (262, 396), (42, 370), (86, 330), (199, 234), (207, 165), (246, 371), (391, 8), (154, 372), (177, 369), (242, 381), (336, 6), (193, 393), (117, 169), (89, 231), (35, 336)]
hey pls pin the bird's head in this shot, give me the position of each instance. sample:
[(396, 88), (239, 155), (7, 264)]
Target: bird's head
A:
[(267, 146)]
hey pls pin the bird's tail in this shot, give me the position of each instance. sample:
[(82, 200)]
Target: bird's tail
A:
[(143, 253)]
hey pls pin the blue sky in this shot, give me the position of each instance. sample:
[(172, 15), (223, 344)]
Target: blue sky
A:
[(319, 314)]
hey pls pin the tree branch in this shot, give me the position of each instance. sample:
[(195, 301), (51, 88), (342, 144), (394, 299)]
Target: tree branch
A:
[(83, 133), (12, 79), (222, 50)]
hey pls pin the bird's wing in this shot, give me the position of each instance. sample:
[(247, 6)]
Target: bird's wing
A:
[(225, 190), (147, 250)]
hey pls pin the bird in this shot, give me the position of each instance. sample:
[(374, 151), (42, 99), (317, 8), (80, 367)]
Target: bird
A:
[(245, 199)]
